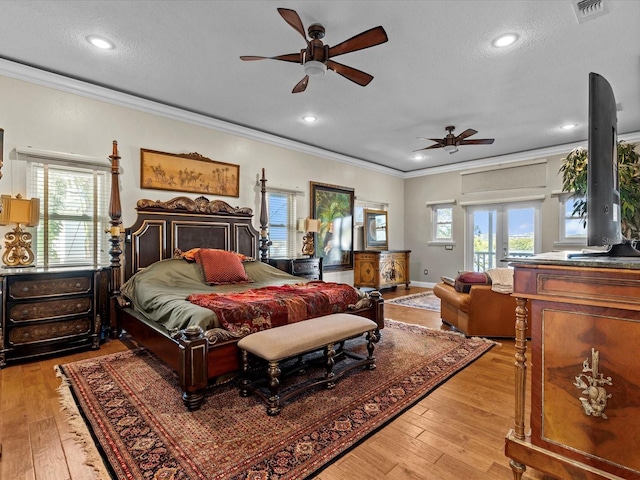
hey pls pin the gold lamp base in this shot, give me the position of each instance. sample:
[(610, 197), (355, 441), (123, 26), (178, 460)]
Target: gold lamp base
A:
[(308, 247), (18, 251)]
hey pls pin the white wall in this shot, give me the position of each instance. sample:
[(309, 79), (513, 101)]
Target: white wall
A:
[(52, 119)]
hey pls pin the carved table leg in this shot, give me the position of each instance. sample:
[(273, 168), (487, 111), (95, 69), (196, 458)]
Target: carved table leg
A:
[(517, 469)]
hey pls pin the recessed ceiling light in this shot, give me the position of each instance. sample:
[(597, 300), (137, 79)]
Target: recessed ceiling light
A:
[(418, 156), (505, 40), (310, 118), (101, 43), (569, 126)]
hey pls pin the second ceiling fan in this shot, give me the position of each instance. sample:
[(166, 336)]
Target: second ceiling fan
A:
[(451, 142), (316, 57)]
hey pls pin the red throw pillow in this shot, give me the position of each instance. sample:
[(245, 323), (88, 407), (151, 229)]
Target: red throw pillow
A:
[(190, 255), (221, 267), (465, 280)]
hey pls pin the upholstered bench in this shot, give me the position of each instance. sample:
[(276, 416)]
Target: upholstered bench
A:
[(297, 339)]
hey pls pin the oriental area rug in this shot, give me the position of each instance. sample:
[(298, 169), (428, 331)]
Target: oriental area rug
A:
[(132, 406), (426, 301)]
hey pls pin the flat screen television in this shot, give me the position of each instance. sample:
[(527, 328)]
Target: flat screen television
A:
[(604, 223)]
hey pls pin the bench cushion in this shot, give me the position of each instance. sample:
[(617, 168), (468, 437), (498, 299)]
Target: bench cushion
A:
[(278, 343)]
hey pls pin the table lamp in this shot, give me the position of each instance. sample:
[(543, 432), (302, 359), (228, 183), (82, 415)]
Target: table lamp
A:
[(18, 210), (311, 226)]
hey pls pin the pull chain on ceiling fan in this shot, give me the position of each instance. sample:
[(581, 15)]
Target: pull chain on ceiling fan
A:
[(451, 142), (316, 56)]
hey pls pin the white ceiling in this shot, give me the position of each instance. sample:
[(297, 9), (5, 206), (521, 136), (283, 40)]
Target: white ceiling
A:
[(437, 69)]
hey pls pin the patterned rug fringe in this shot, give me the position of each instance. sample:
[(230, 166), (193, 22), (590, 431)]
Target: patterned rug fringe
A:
[(78, 427)]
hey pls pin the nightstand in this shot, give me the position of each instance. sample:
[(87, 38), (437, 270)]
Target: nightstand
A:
[(51, 310), (305, 267)]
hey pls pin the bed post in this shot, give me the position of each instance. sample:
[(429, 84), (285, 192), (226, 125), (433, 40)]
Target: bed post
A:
[(265, 243), (115, 213)]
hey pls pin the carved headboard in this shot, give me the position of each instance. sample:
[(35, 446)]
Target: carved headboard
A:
[(183, 223)]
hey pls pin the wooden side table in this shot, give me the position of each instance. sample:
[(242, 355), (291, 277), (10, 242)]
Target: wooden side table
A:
[(304, 267)]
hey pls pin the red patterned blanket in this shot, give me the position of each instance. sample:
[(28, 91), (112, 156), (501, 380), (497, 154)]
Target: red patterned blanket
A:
[(262, 308)]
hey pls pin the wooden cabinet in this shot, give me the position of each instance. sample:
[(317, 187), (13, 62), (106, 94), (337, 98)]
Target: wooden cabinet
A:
[(381, 269), (51, 310), (585, 384), (305, 267)]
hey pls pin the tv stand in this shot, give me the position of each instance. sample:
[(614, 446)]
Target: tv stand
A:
[(624, 249)]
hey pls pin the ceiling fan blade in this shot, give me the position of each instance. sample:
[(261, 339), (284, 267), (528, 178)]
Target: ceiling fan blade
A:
[(480, 141), (430, 147), (289, 57), (293, 19), (350, 73), (301, 86), (441, 141), (467, 133), (370, 38)]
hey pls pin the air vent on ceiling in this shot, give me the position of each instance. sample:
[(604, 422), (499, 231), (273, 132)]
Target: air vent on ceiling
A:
[(590, 9)]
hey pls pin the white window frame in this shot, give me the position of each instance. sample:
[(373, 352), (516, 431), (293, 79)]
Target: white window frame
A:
[(98, 217), (290, 249), (564, 219), (435, 207)]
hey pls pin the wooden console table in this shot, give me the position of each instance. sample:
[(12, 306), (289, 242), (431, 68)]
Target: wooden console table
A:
[(585, 381), (381, 268)]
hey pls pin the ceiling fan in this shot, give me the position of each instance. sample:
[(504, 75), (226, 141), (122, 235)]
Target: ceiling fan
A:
[(316, 56), (451, 142)]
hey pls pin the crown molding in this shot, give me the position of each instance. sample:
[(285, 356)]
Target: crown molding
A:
[(77, 87)]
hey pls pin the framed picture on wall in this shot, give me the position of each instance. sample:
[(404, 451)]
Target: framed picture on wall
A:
[(189, 172), (333, 207)]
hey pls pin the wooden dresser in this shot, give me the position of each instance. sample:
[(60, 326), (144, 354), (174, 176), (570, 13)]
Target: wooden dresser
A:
[(585, 380), (381, 268), (305, 267), (53, 310)]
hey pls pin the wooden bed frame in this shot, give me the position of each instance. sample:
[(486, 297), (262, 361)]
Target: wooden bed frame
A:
[(198, 357)]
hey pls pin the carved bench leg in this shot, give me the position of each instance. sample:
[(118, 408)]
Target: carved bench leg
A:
[(246, 380), (372, 338), (273, 403), (329, 353)]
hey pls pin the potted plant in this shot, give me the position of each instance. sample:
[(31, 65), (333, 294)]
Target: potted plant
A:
[(574, 179)]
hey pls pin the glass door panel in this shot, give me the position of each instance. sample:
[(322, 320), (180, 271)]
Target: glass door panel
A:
[(484, 246)]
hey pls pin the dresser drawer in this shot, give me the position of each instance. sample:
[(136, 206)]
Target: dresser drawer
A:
[(24, 288), (305, 267), (22, 312), (51, 331)]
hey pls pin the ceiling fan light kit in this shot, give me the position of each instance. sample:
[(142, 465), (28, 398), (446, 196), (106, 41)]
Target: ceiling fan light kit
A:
[(316, 57), (313, 68)]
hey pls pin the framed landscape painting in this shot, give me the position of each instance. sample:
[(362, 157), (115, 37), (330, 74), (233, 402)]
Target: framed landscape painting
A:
[(333, 207), (189, 172)]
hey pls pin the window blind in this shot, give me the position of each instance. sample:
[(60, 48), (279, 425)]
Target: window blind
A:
[(282, 219), (74, 205)]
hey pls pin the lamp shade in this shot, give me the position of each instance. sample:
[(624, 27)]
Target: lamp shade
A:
[(20, 210), (311, 225)]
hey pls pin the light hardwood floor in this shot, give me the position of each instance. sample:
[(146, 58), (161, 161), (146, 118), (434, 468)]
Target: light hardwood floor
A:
[(457, 432)]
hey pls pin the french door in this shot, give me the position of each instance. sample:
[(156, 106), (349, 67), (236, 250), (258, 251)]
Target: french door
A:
[(497, 231)]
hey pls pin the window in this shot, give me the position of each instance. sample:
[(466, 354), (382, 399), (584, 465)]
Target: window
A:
[(572, 228), (74, 206), (282, 217), (442, 223)]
